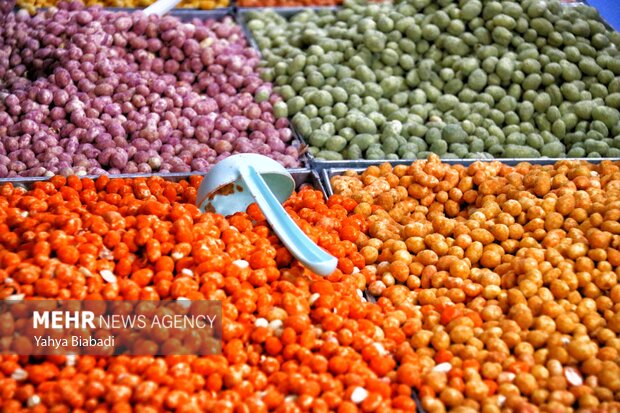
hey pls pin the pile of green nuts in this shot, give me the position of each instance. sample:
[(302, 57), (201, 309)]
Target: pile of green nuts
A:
[(461, 79)]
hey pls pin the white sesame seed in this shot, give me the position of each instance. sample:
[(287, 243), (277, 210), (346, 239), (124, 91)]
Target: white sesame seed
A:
[(106, 254), (276, 324), (314, 297), (176, 255), (379, 334), (443, 367), (261, 322), (184, 302), (108, 276), (380, 348), (507, 376), (71, 360), (19, 374), (15, 297), (359, 395), (33, 400), (241, 263), (206, 42), (188, 272), (501, 399), (573, 376)]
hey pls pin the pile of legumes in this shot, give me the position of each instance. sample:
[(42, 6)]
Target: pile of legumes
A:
[(89, 91), (32, 5), (461, 79), (513, 274), (292, 341)]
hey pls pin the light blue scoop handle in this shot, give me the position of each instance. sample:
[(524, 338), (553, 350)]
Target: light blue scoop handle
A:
[(161, 7), (295, 240)]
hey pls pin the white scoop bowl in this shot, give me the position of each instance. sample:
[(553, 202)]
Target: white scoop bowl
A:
[(240, 180)]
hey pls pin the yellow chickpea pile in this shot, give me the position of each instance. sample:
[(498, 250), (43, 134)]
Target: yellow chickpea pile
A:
[(513, 272), (32, 5)]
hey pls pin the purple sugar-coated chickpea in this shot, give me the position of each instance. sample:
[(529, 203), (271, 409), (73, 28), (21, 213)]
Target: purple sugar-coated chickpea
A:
[(186, 95)]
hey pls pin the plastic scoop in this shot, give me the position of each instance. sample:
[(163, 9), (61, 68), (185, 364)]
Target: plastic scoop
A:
[(240, 180), (161, 7)]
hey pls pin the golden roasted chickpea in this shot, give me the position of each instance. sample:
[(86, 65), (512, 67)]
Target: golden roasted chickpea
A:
[(562, 396), (552, 309), (440, 340), (437, 381), (363, 208), (539, 396), (591, 291), (537, 338), (491, 370), (512, 207), (370, 254), (556, 383), (540, 372), (476, 390), (468, 406), (615, 294), (603, 394), (388, 279), (431, 404), (609, 376), (560, 289), (566, 322), (491, 312), (451, 397), (588, 401), (593, 321), (522, 315), (606, 280), (421, 339)]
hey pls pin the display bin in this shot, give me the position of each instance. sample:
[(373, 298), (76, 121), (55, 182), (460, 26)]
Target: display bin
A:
[(586, 3), (187, 15), (581, 3), (183, 14), (302, 177), (230, 7), (340, 167), (243, 15)]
